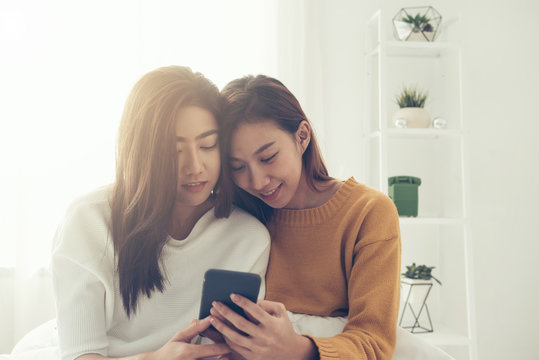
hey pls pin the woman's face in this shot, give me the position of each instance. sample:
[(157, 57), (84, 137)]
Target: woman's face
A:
[(266, 161), (198, 155)]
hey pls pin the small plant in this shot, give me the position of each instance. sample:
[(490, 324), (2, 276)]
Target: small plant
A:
[(422, 272), (419, 22), (411, 97)]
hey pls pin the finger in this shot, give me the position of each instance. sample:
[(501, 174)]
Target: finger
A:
[(196, 327), (232, 317), (238, 352), (204, 351), (213, 335), (251, 309), (232, 337), (276, 309)]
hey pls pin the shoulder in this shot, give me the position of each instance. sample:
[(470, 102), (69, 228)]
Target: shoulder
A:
[(96, 200), (373, 211), (85, 225), (240, 216), (241, 223), (368, 199)]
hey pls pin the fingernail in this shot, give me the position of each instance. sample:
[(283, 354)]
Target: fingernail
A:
[(212, 320), (234, 297)]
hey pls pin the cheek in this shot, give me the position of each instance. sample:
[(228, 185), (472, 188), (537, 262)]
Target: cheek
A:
[(239, 179), (214, 162)]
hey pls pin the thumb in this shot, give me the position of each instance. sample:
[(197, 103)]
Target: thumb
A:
[(195, 328)]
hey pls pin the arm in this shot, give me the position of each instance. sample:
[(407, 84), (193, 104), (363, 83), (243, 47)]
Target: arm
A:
[(178, 347), (373, 289), (373, 294), (370, 332)]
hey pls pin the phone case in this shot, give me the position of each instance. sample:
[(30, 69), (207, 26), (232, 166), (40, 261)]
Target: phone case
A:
[(219, 284)]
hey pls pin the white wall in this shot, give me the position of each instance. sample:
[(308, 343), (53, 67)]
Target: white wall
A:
[(501, 95)]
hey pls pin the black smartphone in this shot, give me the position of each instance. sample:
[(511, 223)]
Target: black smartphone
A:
[(219, 284)]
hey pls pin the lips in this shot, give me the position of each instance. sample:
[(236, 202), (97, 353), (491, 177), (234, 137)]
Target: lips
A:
[(270, 195), (195, 187)]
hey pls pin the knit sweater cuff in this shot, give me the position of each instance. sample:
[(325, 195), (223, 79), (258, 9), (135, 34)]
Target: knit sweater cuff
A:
[(325, 347)]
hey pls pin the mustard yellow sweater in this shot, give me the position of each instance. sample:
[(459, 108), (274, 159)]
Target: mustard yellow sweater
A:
[(342, 258)]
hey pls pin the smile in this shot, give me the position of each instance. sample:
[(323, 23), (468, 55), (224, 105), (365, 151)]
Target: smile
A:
[(195, 186), (270, 195), (269, 192)]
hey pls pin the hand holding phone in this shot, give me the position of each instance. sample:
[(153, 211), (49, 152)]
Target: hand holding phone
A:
[(219, 284)]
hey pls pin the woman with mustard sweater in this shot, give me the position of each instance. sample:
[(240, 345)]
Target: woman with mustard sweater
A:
[(336, 244)]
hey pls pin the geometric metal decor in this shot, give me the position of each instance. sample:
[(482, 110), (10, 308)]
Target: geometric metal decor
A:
[(416, 293), (420, 23)]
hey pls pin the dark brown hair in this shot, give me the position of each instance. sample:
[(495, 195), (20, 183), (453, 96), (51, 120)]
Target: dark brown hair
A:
[(260, 98), (144, 192)]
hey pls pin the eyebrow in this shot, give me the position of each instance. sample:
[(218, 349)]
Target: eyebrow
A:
[(260, 149), (203, 135)]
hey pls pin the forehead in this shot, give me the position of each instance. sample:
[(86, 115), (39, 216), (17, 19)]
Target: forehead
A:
[(249, 137), (191, 121)]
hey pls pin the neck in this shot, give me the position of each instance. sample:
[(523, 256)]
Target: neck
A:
[(307, 198), (184, 218)]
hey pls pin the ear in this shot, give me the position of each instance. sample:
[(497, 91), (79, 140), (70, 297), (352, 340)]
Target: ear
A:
[(303, 135)]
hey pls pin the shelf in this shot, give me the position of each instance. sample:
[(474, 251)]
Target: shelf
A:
[(439, 236), (430, 221), (417, 48), (427, 133), (373, 52), (442, 336)]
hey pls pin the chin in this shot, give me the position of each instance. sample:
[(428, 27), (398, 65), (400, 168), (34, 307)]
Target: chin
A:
[(192, 201)]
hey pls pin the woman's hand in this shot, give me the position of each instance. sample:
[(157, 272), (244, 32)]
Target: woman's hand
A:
[(270, 335), (180, 347)]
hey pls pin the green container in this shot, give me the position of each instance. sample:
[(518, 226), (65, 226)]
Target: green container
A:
[(403, 190)]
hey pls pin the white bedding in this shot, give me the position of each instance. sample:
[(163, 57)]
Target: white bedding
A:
[(42, 342)]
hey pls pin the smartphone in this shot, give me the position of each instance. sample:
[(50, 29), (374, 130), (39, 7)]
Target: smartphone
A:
[(219, 284)]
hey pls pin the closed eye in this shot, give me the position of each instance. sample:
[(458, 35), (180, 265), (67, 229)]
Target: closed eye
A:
[(237, 168), (268, 159), (210, 147)]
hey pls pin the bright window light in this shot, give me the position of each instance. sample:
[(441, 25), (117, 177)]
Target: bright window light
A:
[(66, 68)]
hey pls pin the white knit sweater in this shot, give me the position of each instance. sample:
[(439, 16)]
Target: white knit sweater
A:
[(90, 314)]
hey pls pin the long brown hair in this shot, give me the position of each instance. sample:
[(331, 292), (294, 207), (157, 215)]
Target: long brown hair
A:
[(144, 192), (260, 98)]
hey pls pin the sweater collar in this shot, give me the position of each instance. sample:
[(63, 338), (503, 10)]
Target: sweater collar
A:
[(318, 214)]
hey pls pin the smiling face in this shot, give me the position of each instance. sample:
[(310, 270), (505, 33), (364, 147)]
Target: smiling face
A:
[(266, 162), (198, 155)]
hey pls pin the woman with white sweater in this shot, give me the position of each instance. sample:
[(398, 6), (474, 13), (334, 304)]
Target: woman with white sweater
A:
[(129, 258)]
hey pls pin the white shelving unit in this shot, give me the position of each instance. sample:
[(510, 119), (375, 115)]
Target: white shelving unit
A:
[(439, 236)]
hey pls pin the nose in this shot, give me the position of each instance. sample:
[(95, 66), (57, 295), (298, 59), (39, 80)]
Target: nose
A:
[(259, 179), (193, 163)]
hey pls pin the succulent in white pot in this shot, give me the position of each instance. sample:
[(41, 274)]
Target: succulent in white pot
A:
[(417, 275), (411, 111)]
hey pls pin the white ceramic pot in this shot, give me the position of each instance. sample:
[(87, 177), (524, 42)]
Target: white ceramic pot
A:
[(415, 117), (415, 291)]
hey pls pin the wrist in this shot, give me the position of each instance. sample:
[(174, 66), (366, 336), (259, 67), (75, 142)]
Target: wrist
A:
[(305, 348)]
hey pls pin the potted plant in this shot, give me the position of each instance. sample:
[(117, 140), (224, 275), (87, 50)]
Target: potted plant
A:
[(416, 284), (411, 113), (421, 272), (417, 275), (417, 23)]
